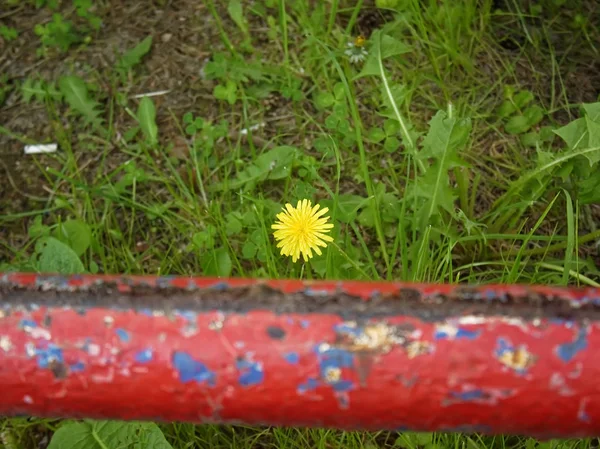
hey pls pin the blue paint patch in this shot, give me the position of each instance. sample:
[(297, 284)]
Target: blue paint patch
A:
[(187, 315), (164, 281), (466, 396), (291, 357), (192, 370), (567, 351), (375, 294), (123, 335), (144, 356), (448, 332), (221, 286), (310, 385), (343, 399), (27, 323), (46, 356), (583, 416), (77, 367), (490, 295), (147, 312), (251, 373), (348, 329), (333, 360), (341, 386), (304, 324), (503, 346), (309, 291)]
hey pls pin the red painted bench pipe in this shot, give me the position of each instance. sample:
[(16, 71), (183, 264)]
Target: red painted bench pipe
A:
[(348, 355)]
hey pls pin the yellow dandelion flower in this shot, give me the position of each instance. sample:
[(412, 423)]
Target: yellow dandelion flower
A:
[(360, 41), (302, 230)]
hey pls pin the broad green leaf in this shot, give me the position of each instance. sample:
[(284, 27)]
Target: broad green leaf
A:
[(347, 206), (446, 137), (146, 116), (233, 225), (37, 228), (216, 263), (534, 114), (506, 109), (391, 127), (530, 139), (391, 144), (523, 98), (390, 46), (589, 189), (108, 435), (34, 89), (249, 250), (226, 92), (517, 124), (273, 164), (56, 257), (236, 12), (76, 234), (383, 46), (134, 56), (323, 100), (592, 110), (544, 157), (394, 96), (376, 135), (339, 91), (546, 134), (593, 137), (76, 94), (574, 134)]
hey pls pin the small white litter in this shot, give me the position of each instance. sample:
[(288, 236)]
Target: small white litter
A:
[(152, 94), (37, 149), (244, 131)]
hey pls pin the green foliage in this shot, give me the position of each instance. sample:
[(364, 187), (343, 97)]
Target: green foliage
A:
[(447, 136), (236, 12), (233, 67), (59, 33), (8, 33), (338, 119), (57, 257), (216, 263), (134, 56), (204, 134), (574, 168), (90, 434), (146, 116), (383, 46), (519, 114), (76, 234), (39, 90), (77, 96), (271, 165), (226, 92)]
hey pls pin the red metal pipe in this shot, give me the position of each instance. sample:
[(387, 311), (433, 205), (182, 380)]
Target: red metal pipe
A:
[(349, 355)]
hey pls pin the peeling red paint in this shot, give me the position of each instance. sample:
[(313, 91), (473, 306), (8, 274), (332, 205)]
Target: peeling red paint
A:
[(106, 347)]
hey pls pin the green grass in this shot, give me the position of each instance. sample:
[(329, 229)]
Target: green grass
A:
[(437, 161)]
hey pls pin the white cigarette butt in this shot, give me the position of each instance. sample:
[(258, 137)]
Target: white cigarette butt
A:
[(36, 149)]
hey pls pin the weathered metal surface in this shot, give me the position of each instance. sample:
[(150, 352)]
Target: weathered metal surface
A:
[(350, 355)]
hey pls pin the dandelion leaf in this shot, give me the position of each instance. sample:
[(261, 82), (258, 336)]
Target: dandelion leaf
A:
[(271, 165), (77, 96), (439, 154)]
